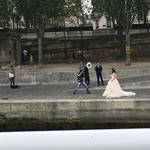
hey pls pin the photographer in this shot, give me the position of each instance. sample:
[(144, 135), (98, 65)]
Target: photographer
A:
[(80, 79)]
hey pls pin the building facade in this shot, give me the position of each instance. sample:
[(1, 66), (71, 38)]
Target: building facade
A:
[(10, 46), (106, 23)]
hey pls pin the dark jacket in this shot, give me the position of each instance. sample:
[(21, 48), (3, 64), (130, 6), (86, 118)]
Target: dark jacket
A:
[(80, 75), (86, 72), (98, 69)]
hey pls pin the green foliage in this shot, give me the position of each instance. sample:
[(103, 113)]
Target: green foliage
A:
[(24, 8), (123, 11), (39, 12), (73, 8), (3, 13)]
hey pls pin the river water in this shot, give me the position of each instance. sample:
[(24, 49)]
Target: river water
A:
[(36, 125)]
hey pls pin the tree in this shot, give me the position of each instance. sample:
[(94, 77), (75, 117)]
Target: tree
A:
[(131, 9), (115, 11), (3, 13), (75, 15), (143, 9), (39, 13), (73, 9), (14, 17), (124, 13)]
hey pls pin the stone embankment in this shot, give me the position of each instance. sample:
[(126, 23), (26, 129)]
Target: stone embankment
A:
[(53, 106), (74, 114)]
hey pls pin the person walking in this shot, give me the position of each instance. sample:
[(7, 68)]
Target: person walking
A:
[(80, 79), (99, 69), (12, 77)]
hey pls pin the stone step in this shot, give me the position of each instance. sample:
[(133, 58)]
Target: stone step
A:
[(55, 77), (141, 84)]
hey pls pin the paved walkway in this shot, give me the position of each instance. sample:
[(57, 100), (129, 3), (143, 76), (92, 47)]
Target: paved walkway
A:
[(65, 91), (61, 91)]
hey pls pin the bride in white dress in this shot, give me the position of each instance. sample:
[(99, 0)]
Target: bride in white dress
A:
[(113, 89)]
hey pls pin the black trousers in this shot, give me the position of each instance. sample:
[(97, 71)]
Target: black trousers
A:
[(79, 84), (87, 80), (99, 77), (12, 82)]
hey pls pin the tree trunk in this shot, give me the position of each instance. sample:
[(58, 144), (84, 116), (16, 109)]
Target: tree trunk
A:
[(127, 48), (82, 46), (40, 50), (65, 46), (145, 17), (121, 44), (40, 35)]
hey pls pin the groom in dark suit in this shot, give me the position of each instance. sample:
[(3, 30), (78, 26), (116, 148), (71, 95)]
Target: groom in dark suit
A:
[(98, 69)]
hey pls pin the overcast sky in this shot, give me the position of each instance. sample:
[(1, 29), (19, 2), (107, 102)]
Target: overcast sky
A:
[(87, 6)]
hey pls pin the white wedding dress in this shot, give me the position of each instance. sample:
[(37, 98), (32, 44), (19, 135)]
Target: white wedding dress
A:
[(113, 89)]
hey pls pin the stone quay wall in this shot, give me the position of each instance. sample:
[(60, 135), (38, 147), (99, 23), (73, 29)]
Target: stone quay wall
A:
[(88, 112), (95, 45)]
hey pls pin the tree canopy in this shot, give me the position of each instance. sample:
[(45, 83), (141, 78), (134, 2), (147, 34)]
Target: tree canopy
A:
[(39, 13), (3, 13), (123, 14)]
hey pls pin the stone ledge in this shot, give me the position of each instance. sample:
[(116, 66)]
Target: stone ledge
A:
[(66, 114), (75, 108), (55, 77)]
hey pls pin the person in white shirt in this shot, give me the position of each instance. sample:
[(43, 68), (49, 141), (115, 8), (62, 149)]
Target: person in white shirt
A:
[(12, 77)]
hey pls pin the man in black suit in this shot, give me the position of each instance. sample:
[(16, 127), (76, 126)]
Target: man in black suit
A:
[(98, 69), (86, 75)]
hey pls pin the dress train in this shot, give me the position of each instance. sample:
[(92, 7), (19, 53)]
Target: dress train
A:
[(113, 90)]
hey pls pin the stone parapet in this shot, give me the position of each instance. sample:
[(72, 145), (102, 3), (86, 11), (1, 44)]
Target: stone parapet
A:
[(113, 110)]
